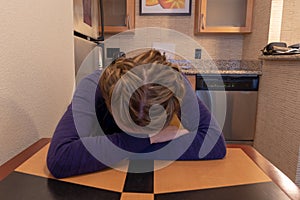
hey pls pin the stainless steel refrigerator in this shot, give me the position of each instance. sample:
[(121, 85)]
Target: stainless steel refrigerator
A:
[(88, 36)]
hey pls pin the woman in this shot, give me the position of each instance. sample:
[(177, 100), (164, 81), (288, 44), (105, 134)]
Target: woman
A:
[(140, 106)]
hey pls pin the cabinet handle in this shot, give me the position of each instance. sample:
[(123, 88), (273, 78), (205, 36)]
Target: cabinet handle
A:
[(127, 21), (202, 22), (199, 21)]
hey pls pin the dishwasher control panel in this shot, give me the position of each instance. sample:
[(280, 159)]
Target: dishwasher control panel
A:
[(227, 82)]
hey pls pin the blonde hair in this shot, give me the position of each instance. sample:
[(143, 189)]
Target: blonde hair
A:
[(155, 57), (111, 75), (166, 87)]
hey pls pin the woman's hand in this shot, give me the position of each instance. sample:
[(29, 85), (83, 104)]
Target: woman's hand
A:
[(167, 134)]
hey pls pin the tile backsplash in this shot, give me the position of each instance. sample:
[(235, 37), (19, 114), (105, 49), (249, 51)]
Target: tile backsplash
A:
[(218, 46)]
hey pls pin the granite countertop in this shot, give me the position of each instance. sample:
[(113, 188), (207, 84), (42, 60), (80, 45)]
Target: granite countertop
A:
[(287, 57), (236, 67), (231, 72)]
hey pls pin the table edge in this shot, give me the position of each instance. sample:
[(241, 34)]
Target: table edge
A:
[(9, 166), (278, 177)]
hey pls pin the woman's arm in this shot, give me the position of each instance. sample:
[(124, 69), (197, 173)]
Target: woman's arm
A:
[(205, 140), (68, 154), (209, 142), (78, 144), (204, 143)]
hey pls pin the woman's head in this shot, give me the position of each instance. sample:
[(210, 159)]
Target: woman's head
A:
[(111, 75), (150, 80), (153, 56)]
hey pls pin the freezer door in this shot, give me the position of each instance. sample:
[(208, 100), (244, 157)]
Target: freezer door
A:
[(88, 57)]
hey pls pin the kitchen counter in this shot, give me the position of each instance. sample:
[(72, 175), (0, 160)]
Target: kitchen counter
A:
[(278, 112), (293, 57), (231, 72), (235, 67)]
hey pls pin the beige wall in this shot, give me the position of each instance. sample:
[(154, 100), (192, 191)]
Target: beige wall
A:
[(290, 29), (275, 21), (36, 70), (255, 41), (219, 46), (278, 127)]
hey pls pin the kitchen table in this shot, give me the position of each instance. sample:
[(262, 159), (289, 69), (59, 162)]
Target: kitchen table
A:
[(243, 174)]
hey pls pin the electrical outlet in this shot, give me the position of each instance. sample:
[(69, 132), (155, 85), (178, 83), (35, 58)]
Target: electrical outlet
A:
[(198, 53), (112, 52)]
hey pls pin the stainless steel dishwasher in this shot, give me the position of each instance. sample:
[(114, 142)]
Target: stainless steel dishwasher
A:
[(238, 95)]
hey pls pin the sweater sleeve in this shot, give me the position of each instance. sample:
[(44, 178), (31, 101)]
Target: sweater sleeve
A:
[(77, 147), (205, 140), (208, 143)]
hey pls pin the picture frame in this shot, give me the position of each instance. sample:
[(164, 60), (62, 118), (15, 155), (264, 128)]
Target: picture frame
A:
[(166, 7)]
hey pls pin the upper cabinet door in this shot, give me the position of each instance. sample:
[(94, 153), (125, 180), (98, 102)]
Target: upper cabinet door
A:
[(223, 16), (119, 15), (86, 18)]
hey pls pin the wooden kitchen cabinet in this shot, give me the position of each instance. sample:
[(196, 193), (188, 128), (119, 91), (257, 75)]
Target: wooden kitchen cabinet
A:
[(119, 15), (225, 16)]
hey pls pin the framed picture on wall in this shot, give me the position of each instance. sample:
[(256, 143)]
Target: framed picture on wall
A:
[(165, 7)]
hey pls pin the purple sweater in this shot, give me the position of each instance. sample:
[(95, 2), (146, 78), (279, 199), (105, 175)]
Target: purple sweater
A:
[(76, 147)]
